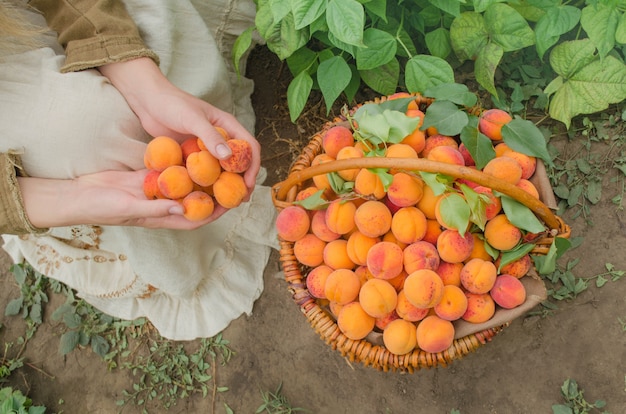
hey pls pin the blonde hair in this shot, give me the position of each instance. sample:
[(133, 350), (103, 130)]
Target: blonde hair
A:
[(16, 33)]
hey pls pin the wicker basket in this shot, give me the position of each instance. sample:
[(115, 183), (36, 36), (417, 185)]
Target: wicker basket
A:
[(367, 351)]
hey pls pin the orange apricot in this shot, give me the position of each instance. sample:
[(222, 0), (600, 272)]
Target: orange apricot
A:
[(450, 273), (446, 154), (479, 250), (342, 286), (480, 307), (203, 168), (336, 255), (428, 202), (438, 140), (189, 146), (501, 234), (151, 186), (292, 223), (384, 260), (382, 322), (400, 337), (478, 275), (433, 230), (420, 255), (408, 225), (340, 216), (527, 162), (320, 228), (518, 268), (504, 168), (453, 303), (230, 189), (491, 122), (162, 152), (369, 184), (354, 322), (434, 334), (407, 311), (400, 151), (316, 280), (405, 189), (198, 205), (358, 246), (309, 250), (335, 138), (454, 247), (174, 182), (423, 288), (373, 218), (529, 187), (348, 153), (378, 297)]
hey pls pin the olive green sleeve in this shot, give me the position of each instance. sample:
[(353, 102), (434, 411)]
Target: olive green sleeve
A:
[(13, 218), (93, 32)]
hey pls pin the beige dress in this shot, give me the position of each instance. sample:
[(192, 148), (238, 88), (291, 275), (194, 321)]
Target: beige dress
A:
[(189, 284)]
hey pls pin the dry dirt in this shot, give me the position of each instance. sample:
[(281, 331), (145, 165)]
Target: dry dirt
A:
[(520, 371)]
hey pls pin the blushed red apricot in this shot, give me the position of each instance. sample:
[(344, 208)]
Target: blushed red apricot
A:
[(480, 307), (405, 189), (454, 247), (420, 255), (316, 280), (373, 218), (241, 157), (292, 223), (508, 292), (423, 288), (358, 246), (446, 154), (478, 275), (336, 138), (188, 146), (450, 273), (319, 227), (342, 286), (409, 312), (491, 122), (434, 334), (384, 260), (518, 268), (437, 140), (453, 303), (151, 186)]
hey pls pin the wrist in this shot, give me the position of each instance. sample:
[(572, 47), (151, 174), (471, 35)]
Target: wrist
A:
[(48, 202)]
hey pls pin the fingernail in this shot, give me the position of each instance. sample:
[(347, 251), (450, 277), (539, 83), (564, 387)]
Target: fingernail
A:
[(177, 210), (222, 150)]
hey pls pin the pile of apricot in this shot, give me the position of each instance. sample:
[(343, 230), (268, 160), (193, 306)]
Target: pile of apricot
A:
[(189, 173), (385, 260)]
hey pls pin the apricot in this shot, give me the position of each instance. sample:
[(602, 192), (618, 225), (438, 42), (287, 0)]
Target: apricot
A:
[(433, 230), (340, 216), (428, 203), (382, 322), (162, 152), (518, 268), (434, 334), (437, 140), (348, 153), (527, 162), (479, 250), (151, 185), (369, 184), (342, 286), (501, 234), (384, 260), (189, 146), (398, 281), (316, 280), (491, 122), (321, 181), (508, 292), (493, 205), (203, 168), (241, 156), (416, 140), (336, 138), (504, 168), (501, 148), (363, 273), (450, 273), (354, 322), (309, 250), (373, 218), (389, 237), (306, 193), (174, 182), (400, 151), (420, 255), (454, 247), (198, 205), (467, 156), (358, 246), (480, 307), (400, 337), (453, 303), (230, 189), (446, 154), (405, 190), (336, 255), (378, 297), (292, 223), (407, 311), (423, 288), (319, 227), (478, 276), (529, 187), (408, 225)]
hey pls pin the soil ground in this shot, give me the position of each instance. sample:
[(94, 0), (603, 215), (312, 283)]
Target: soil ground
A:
[(520, 371)]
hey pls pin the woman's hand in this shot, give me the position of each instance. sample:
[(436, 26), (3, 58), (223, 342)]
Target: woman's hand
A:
[(103, 198), (164, 109)]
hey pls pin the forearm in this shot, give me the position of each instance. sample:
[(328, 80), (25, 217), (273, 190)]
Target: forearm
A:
[(50, 203)]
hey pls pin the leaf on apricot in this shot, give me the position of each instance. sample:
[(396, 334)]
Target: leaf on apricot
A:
[(515, 254), (478, 144), (521, 216), (315, 201), (446, 117), (523, 136), (455, 212)]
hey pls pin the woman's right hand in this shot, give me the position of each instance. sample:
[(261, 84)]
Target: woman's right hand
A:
[(104, 198)]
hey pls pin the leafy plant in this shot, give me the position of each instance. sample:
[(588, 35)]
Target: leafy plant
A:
[(276, 403), (14, 402), (32, 298), (337, 46), (575, 402)]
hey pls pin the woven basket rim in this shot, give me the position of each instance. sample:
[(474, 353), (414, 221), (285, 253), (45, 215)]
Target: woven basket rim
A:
[(369, 354)]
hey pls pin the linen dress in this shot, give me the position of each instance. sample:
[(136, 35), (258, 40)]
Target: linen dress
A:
[(189, 284)]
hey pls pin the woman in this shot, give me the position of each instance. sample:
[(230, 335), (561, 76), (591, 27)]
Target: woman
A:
[(77, 112)]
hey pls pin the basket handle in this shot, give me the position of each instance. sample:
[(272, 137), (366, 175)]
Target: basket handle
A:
[(281, 190)]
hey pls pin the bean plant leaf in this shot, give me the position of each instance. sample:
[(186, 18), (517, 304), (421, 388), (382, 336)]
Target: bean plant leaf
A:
[(521, 216), (14, 306), (487, 61), (281, 37), (298, 93), (383, 79), (594, 191), (507, 28), (99, 345), (453, 92), (425, 71), (585, 83), (481, 5), (346, 19), (523, 136), (546, 264), (455, 211), (468, 35), (241, 46), (380, 48), (600, 21), (620, 30), (438, 42), (333, 75), (478, 144), (69, 341), (306, 12), (452, 7), (279, 9), (377, 8), (446, 117), (555, 22)]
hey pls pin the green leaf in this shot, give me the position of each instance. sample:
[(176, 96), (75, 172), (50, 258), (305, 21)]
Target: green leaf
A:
[(481, 5), (600, 21), (455, 212), (400, 125), (377, 8), (315, 201), (307, 11), (383, 79), (303, 59), (14, 306), (477, 205), (346, 20), (453, 92), (425, 71), (333, 75), (279, 8), (468, 35), (99, 345), (507, 28), (241, 46), (452, 7), (523, 136), (589, 84), (438, 42), (439, 183), (69, 341), (19, 273), (298, 94), (594, 191), (515, 254), (380, 48), (281, 37), (485, 66), (620, 30), (550, 27), (446, 117), (521, 216), (479, 145), (385, 177)]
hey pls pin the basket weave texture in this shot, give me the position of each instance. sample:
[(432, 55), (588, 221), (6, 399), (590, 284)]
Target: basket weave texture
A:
[(366, 351)]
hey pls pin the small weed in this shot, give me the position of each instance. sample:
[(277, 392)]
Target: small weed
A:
[(575, 402), (13, 401), (276, 403)]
